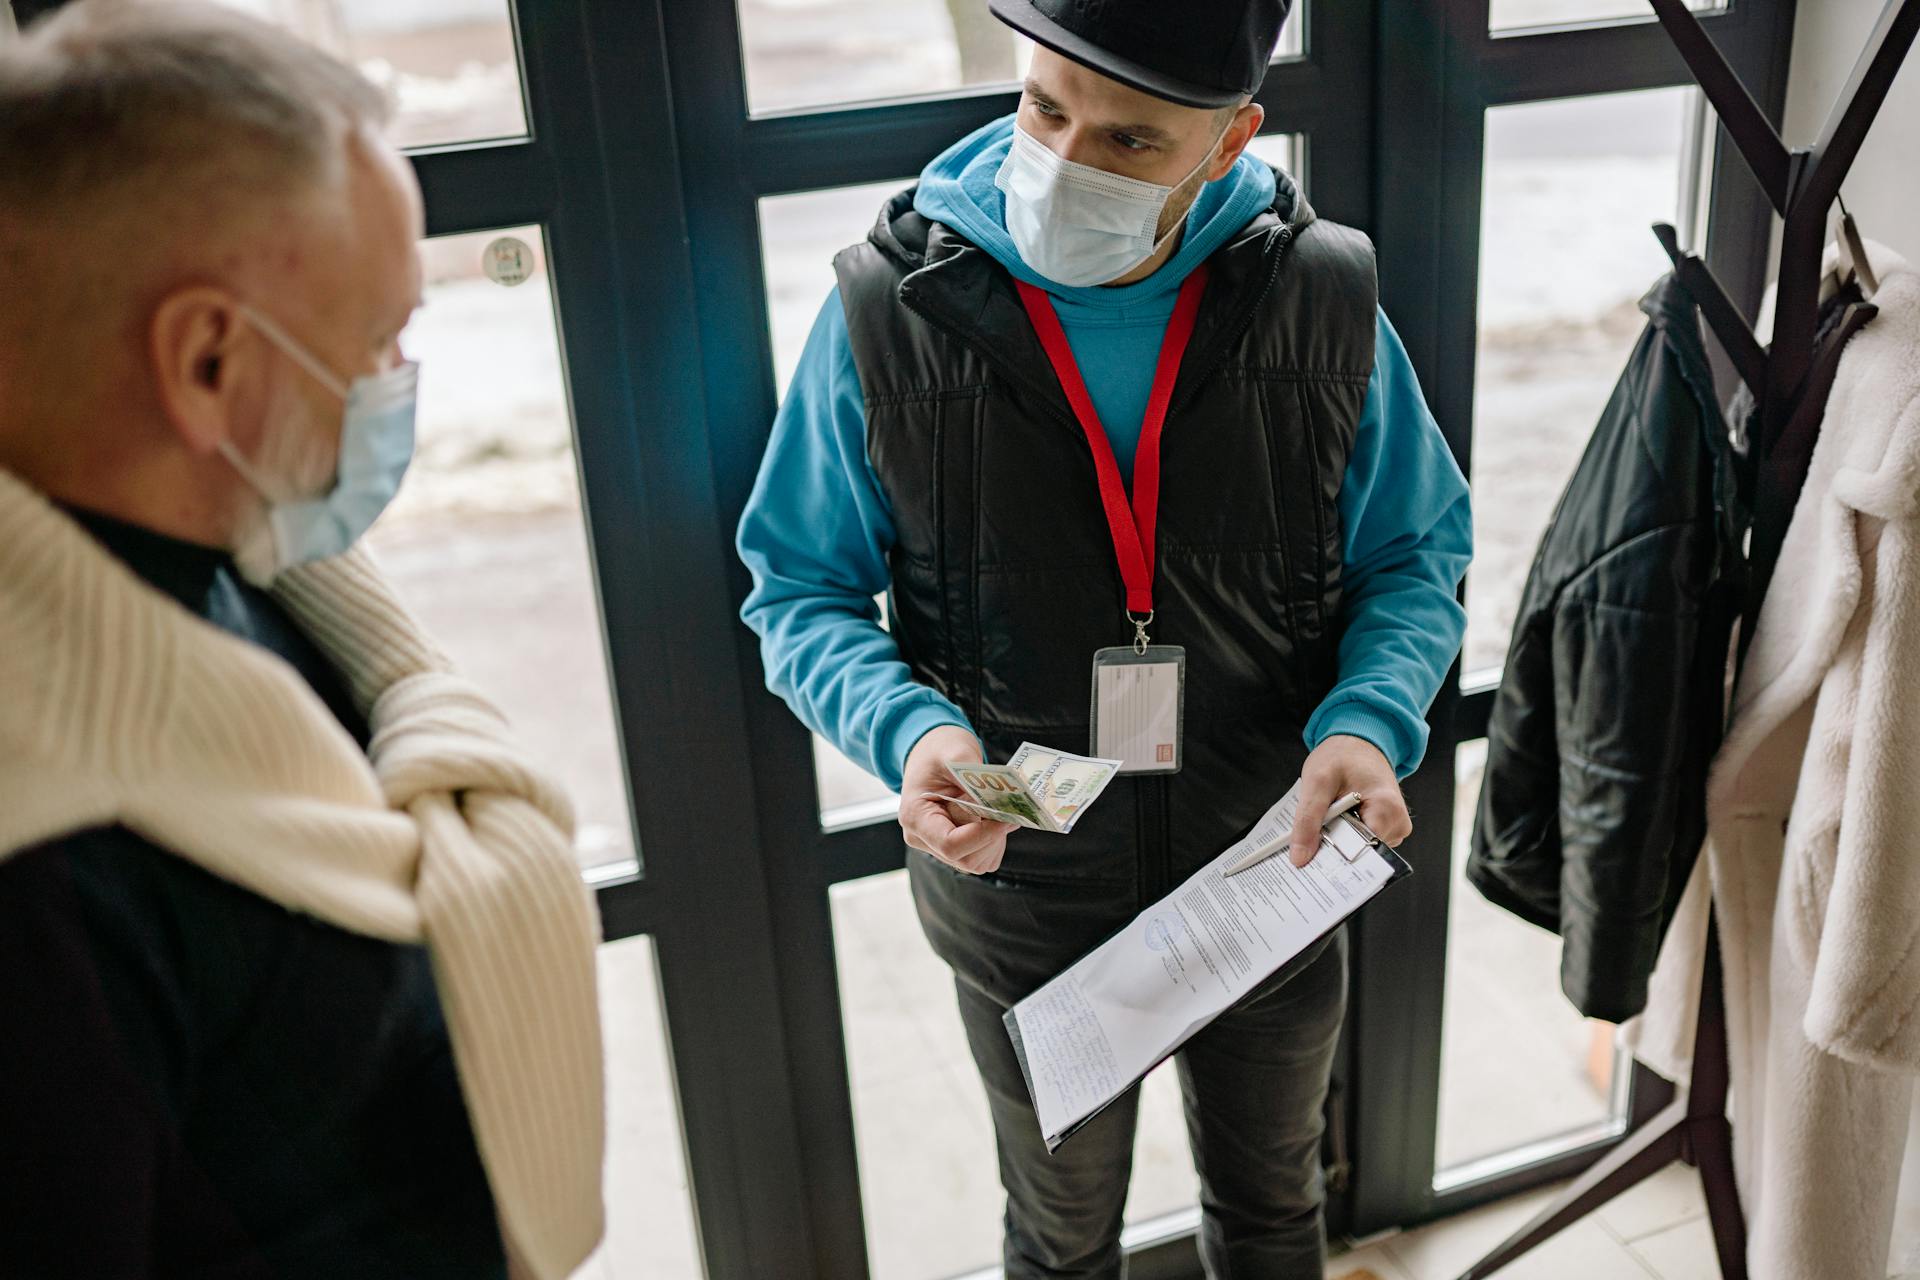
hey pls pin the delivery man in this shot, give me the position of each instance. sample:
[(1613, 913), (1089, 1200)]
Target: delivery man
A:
[(1105, 409)]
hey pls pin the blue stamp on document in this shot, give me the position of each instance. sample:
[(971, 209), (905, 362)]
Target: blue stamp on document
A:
[(1159, 938)]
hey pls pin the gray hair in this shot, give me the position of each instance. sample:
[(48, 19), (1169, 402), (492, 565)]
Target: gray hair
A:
[(104, 98)]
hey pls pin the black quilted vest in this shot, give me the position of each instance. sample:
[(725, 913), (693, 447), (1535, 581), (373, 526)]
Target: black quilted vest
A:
[(1004, 580)]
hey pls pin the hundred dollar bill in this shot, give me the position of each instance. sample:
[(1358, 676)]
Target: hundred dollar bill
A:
[(1039, 789), (999, 793), (1066, 785)]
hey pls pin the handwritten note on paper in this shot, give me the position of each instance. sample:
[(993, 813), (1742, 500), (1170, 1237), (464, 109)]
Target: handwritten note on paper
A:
[(1090, 1034), (1071, 1049)]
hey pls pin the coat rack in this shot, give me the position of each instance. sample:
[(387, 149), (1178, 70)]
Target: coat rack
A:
[(1790, 381)]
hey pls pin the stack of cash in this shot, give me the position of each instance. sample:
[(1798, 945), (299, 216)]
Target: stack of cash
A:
[(1039, 789)]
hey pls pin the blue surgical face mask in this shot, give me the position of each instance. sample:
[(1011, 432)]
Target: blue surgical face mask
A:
[(376, 446)]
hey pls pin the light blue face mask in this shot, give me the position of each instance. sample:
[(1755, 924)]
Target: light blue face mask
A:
[(376, 447), (1078, 225)]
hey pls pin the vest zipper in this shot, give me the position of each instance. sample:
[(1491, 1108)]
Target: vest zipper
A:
[(1284, 233), (1153, 850), (990, 358), (1319, 515)]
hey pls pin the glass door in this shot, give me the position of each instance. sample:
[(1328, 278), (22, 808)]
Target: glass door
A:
[(1505, 159), (1533, 142), (632, 205), (806, 118)]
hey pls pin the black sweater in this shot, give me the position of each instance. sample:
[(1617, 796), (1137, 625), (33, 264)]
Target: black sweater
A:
[(195, 1081)]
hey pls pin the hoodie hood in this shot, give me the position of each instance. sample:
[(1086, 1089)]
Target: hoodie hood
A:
[(957, 190)]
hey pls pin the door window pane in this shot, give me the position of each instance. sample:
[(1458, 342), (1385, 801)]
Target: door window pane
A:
[(804, 53), (1293, 33), (1284, 151), (650, 1228), (486, 541), (1518, 1064), (450, 65), (1509, 14), (799, 234), (923, 1131), (1570, 190)]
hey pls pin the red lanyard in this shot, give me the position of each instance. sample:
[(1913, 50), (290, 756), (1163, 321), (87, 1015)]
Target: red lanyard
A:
[(1133, 529)]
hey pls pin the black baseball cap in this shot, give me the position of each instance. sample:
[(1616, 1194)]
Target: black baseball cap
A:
[(1198, 53)]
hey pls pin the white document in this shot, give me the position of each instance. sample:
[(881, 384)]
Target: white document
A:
[(1089, 1035)]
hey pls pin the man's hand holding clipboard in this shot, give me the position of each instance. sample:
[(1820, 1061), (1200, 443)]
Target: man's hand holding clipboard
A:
[(1089, 1035)]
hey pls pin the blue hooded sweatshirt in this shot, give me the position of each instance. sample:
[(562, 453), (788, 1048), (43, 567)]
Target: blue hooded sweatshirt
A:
[(818, 529)]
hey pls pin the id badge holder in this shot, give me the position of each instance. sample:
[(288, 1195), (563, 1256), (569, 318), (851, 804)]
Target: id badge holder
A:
[(1140, 707)]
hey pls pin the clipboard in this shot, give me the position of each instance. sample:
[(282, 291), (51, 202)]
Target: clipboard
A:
[(1383, 869)]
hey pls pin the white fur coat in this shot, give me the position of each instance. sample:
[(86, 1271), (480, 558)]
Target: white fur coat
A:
[(1814, 839)]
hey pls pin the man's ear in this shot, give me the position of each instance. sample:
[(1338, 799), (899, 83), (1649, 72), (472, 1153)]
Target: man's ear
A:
[(1245, 126), (194, 343)]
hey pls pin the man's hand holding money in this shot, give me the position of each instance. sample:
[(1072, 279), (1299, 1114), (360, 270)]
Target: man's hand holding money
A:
[(927, 822)]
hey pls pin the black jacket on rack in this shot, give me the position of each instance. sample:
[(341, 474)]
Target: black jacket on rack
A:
[(1594, 802)]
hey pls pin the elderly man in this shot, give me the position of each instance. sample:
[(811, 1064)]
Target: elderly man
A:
[(296, 969), (1103, 288)]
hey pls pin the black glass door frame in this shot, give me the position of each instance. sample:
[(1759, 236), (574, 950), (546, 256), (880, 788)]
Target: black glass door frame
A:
[(601, 175), (1390, 100), (1323, 96), (643, 168), (1440, 71)]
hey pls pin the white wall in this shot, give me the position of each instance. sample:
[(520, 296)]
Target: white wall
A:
[(1883, 190)]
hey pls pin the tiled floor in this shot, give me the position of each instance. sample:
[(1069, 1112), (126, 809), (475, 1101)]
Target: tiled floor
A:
[(946, 1222), (1657, 1231), (921, 1117)]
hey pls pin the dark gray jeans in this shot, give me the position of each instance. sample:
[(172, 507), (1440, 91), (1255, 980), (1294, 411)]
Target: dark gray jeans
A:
[(1254, 1084)]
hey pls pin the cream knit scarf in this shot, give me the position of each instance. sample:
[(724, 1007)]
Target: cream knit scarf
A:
[(117, 706)]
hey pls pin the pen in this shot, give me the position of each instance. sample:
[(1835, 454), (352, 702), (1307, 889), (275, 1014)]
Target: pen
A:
[(1260, 853)]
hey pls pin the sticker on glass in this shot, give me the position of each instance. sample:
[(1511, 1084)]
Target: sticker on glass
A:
[(508, 261)]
